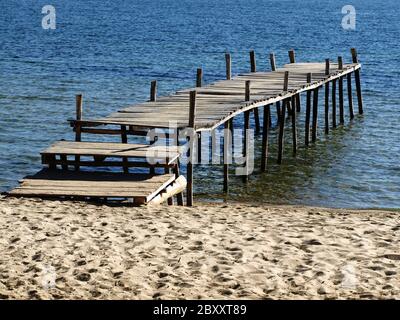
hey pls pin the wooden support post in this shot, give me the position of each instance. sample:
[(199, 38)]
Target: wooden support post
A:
[(228, 66), (257, 120), (64, 164), (341, 101), (278, 104), (153, 97), (278, 112), (51, 160), (227, 153), (327, 98), (282, 118), (246, 127), (308, 112), (124, 139), (153, 91), (170, 200), (269, 119), (358, 82), (252, 61), (192, 117), (253, 68), (78, 125), (350, 96), (281, 132), (199, 77), (292, 58), (266, 126), (340, 63), (294, 126), (286, 81), (247, 91), (334, 104), (285, 89), (199, 83), (78, 134), (315, 115), (272, 61), (232, 133), (298, 103), (179, 196)]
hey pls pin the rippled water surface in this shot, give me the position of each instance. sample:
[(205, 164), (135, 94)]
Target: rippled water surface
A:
[(111, 50)]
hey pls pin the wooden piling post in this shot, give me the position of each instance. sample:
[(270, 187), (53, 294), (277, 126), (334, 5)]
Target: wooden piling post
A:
[(358, 82), (308, 112), (199, 77), (153, 97), (78, 125), (257, 120), (252, 61), (287, 102), (124, 139), (298, 103), (282, 119), (292, 58), (232, 133), (246, 127), (78, 104), (334, 104), (272, 61), (294, 126), (341, 101), (278, 104), (191, 126), (153, 91), (350, 96), (281, 132), (253, 68), (227, 153), (179, 196), (286, 81), (327, 98), (247, 91), (199, 83), (228, 66), (266, 126), (315, 115)]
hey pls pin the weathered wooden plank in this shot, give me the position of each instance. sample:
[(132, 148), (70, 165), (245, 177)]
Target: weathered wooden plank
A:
[(92, 184)]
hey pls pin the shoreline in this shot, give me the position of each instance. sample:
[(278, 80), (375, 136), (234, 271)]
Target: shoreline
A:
[(79, 250)]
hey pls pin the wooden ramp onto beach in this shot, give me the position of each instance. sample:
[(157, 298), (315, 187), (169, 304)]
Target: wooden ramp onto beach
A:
[(206, 107)]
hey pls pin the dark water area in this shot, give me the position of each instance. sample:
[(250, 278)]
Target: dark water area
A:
[(111, 50)]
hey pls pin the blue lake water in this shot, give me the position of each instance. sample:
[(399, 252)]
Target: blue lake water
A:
[(111, 50)]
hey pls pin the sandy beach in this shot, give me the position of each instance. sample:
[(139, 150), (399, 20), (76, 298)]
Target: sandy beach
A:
[(78, 250)]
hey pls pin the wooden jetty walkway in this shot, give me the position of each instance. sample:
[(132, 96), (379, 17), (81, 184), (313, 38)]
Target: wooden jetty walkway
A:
[(194, 110)]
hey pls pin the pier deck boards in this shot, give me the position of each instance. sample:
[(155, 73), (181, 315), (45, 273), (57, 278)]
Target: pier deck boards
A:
[(154, 154), (57, 183), (222, 100)]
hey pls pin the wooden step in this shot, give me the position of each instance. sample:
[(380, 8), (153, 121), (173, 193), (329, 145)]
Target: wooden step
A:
[(62, 183), (153, 153)]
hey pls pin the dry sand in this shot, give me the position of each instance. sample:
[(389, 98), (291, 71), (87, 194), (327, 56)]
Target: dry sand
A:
[(76, 250)]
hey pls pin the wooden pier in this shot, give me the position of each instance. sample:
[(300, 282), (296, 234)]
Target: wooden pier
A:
[(207, 107)]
